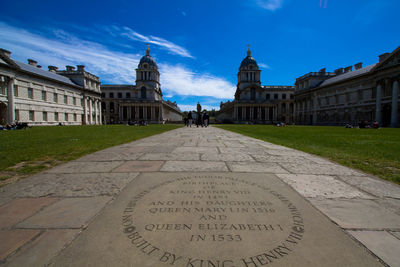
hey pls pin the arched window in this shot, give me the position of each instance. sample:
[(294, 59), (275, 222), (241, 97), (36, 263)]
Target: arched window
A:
[(252, 94), (143, 92)]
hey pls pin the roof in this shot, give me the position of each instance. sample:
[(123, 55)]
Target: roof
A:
[(247, 61), (347, 75), (148, 59), (44, 73)]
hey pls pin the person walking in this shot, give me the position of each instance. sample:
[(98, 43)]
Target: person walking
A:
[(206, 118), (190, 119)]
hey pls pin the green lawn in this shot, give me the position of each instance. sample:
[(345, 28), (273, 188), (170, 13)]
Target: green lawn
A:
[(375, 151), (35, 149)]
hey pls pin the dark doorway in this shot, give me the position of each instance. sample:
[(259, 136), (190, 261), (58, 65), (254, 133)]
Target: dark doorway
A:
[(3, 113), (386, 115)]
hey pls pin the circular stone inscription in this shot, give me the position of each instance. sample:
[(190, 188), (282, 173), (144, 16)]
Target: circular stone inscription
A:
[(212, 221)]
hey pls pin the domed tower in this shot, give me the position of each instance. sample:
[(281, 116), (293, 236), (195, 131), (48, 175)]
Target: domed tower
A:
[(249, 73), (148, 77)]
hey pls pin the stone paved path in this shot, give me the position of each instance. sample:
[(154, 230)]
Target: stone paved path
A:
[(43, 214)]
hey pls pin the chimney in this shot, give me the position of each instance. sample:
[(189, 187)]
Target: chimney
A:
[(32, 62), (53, 69), (39, 66), (81, 67), (322, 70), (348, 69), (358, 66), (5, 52), (383, 57), (339, 71), (70, 68)]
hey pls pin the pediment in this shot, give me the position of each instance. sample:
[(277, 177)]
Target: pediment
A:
[(392, 60)]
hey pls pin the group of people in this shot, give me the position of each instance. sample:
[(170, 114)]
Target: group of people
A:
[(14, 126), (202, 119), (364, 124)]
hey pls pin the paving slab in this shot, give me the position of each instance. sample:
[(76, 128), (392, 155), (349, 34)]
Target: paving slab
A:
[(212, 219), (70, 185), (314, 186), (199, 166), (11, 240), (392, 204), (324, 169), (42, 249), (227, 157), (85, 167), (357, 213), (256, 167), (111, 156), (66, 213), (19, 209), (187, 149), (4, 200), (139, 166), (382, 244), (265, 157), (396, 234), (373, 186), (170, 156)]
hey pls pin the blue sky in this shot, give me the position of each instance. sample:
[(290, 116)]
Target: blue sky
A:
[(199, 44)]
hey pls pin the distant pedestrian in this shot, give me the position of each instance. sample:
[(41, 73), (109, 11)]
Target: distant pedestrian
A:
[(190, 119), (206, 118)]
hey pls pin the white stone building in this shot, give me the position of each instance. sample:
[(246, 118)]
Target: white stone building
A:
[(143, 101), (39, 97), (257, 103), (350, 96)]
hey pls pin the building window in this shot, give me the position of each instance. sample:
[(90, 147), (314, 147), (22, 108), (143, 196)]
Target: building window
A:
[(15, 90), (55, 98), (103, 95), (74, 101), (119, 95), (65, 99), (143, 93), (81, 102), (44, 95), (75, 117), (31, 115), (291, 96), (111, 95), (66, 116), (16, 115), (128, 95), (44, 116), (3, 90), (268, 96), (103, 106), (252, 94), (275, 96), (56, 116), (112, 106), (30, 93), (283, 96)]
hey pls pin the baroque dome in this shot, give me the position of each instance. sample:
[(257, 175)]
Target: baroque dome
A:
[(148, 59), (249, 60)]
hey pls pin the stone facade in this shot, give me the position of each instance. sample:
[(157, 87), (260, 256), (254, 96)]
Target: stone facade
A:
[(39, 97), (143, 101), (256, 103), (344, 96)]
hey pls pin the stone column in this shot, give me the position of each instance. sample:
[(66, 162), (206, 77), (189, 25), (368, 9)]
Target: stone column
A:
[(274, 112), (121, 112), (235, 113), (160, 113), (259, 113), (395, 100), (314, 100), (136, 112), (96, 112), (378, 113), (152, 113), (243, 113), (84, 117), (90, 111), (128, 113), (267, 113), (10, 106), (144, 112), (251, 113)]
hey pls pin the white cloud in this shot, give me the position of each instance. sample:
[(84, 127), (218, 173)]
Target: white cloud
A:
[(62, 49), (264, 66), (169, 46), (271, 5), (176, 79)]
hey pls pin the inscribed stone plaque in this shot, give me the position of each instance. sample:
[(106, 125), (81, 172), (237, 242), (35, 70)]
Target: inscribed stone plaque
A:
[(213, 219)]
